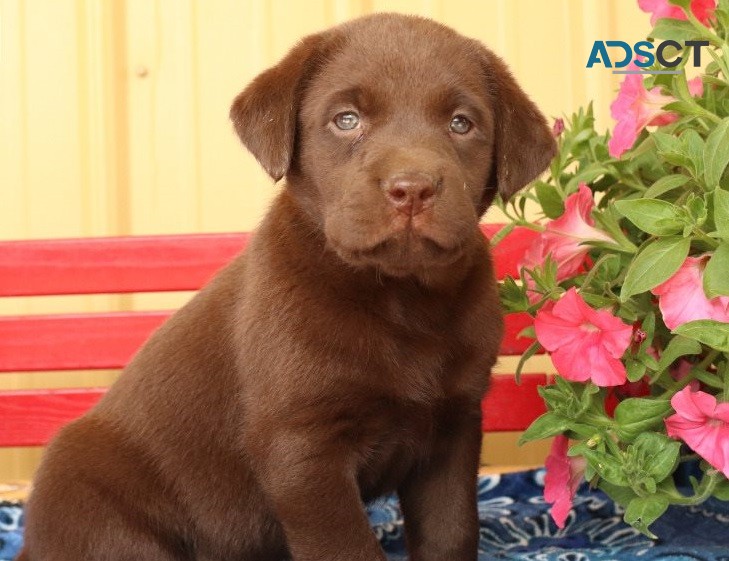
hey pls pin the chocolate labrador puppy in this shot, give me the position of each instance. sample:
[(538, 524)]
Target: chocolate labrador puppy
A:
[(345, 354)]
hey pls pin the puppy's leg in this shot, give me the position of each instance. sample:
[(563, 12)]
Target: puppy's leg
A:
[(59, 533), (95, 499), (438, 498), (313, 491)]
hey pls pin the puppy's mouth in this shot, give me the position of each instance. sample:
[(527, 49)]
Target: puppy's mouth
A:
[(402, 253)]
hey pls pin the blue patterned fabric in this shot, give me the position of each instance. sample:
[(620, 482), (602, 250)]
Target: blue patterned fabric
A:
[(515, 525), (11, 530)]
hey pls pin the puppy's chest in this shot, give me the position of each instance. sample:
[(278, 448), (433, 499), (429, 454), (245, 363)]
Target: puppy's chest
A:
[(429, 368), (422, 357), (399, 437)]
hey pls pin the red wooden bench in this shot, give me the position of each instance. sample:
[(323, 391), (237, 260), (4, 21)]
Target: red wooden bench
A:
[(92, 341)]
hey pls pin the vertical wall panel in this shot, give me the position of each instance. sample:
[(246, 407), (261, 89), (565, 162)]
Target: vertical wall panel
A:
[(14, 193), (343, 10), (162, 116), (102, 115), (54, 174), (234, 44)]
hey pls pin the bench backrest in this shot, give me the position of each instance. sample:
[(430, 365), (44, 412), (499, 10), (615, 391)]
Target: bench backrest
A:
[(93, 341)]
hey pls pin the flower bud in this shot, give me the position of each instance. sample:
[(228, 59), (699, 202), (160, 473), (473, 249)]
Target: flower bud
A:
[(558, 127)]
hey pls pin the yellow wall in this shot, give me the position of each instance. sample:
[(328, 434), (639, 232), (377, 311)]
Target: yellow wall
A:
[(113, 113)]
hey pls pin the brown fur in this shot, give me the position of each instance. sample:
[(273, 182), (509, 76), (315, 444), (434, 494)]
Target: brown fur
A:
[(345, 354)]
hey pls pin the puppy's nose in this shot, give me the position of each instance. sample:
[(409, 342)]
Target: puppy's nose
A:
[(410, 193)]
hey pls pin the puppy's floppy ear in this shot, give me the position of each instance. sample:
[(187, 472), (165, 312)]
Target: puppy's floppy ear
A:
[(264, 114), (523, 143)]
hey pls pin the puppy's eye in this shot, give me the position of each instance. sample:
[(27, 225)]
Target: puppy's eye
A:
[(460, 124), (347, 120)]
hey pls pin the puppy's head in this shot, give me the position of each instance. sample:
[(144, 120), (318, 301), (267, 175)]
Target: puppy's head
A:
[(394, 133)]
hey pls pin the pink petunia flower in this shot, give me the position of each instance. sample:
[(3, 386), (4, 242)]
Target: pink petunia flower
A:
[(563, 238), (702, 424), (702, 9), (564, 475), (585, 344), (682, 299), (696, 86), (634, 109)]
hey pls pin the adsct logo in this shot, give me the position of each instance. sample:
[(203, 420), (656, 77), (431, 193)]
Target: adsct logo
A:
[(642, 54)]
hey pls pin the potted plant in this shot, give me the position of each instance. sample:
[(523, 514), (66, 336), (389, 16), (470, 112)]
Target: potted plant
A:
[(628, 284)]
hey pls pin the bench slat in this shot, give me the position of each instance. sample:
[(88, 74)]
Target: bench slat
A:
[(32, 417), (512, 344), (109, 340), (509, 406), (74, 341), (152, 263), (114, 265)]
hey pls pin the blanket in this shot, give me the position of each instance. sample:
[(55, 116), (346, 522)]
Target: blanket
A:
[(515, 525)]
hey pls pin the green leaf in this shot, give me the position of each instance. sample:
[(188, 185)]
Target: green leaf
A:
[(643, 511), (597, 300), (502, 233), (619, 494), (653, 216), (635, 369), (655, 264), (589, 392), (721, 491), (694, 145), (666, 184), (677, 347), (526, 355), (544, 426), (696, 207), (549, 199), (647, 483), (716, 154), (674, 29), (715, 334), (635, 416), (601, 269), (586, 175), (581, 430), (649, 326), (529, 332), (606, 466), (666, 143), (721, 60), (512, 295), (608, 220), (659, 453), (681, 85), (648, 360), (683, 107), (709, 79), (721, 212), (686, 151), (569, 400), (716, 273)]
